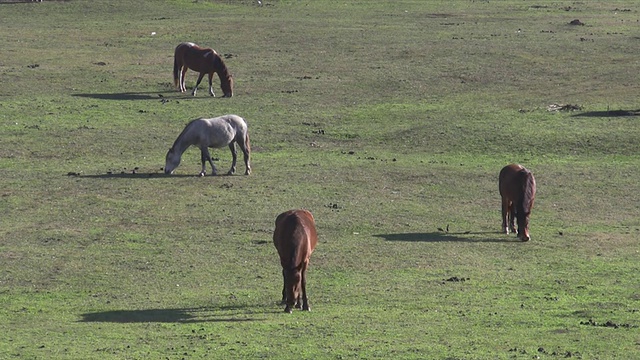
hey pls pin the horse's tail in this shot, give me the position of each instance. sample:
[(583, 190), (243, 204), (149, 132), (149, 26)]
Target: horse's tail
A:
[(530, 190), (177, 62), (247, 142), (176, 69)]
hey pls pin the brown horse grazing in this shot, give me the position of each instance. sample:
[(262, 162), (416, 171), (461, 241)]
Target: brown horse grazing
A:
[(205, 61), (518, 190), (295, 238)]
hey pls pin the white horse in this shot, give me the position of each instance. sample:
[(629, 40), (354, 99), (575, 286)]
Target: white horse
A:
[(211, 133)]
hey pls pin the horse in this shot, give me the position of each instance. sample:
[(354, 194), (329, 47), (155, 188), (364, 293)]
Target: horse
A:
[(518, 190), (205, 61), (295, 238), (211, 133)]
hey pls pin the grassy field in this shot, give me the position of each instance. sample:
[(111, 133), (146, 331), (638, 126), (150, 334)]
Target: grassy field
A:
[(389, 120)]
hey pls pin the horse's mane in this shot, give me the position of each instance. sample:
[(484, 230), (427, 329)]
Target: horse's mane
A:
[(223, 71), (184, 131)]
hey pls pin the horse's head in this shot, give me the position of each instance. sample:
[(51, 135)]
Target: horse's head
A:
[(172, 161), (227, 86)]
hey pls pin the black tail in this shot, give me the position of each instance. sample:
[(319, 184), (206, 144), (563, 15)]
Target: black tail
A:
[(176, 71)]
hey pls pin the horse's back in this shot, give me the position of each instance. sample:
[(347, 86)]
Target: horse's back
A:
[(509, 170), (236, 122), (195, 57), (190, 45), (507, 176), (183, 47), (514, 179), (295, 229), (215, 132)]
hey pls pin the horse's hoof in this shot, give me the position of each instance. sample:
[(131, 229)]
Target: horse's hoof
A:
[(306, 308), (202, 174), (288, 309)]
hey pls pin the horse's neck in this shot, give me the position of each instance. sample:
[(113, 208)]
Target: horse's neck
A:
[(221, 68), (181, 147), (185, 140), (223, 74)]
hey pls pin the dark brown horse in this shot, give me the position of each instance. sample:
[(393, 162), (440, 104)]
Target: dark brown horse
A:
[(518, 190), (205, 61), (295, 238)]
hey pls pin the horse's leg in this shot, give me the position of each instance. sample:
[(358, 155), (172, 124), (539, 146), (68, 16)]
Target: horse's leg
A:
[(205, 156), (298, 302), (303, 290), (197, 83), (211, 85), (203, 160), (234, 155), (183, 74), (512, 217), (284, 290), (289, 302), (247, 156), (505, 214), (506, 209)]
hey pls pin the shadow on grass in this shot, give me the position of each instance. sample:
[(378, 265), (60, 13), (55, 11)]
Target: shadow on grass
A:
[(447, 237), (144, 96), (610, 113), (22, 1), (129, 175), (123, 96), (187, 315)]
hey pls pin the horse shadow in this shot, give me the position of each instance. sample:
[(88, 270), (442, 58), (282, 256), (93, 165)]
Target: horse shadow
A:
[(124, 96), (121, 176), (7, 2), (609, 113), (436, 237), (131, 96), (137, 175), (179, 315)]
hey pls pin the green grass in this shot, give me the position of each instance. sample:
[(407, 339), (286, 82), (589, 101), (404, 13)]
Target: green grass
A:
[(388, 120)]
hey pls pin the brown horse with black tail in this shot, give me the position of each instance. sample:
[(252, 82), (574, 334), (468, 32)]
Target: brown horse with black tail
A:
[(205, 61), (295, 238), (518, 190)]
